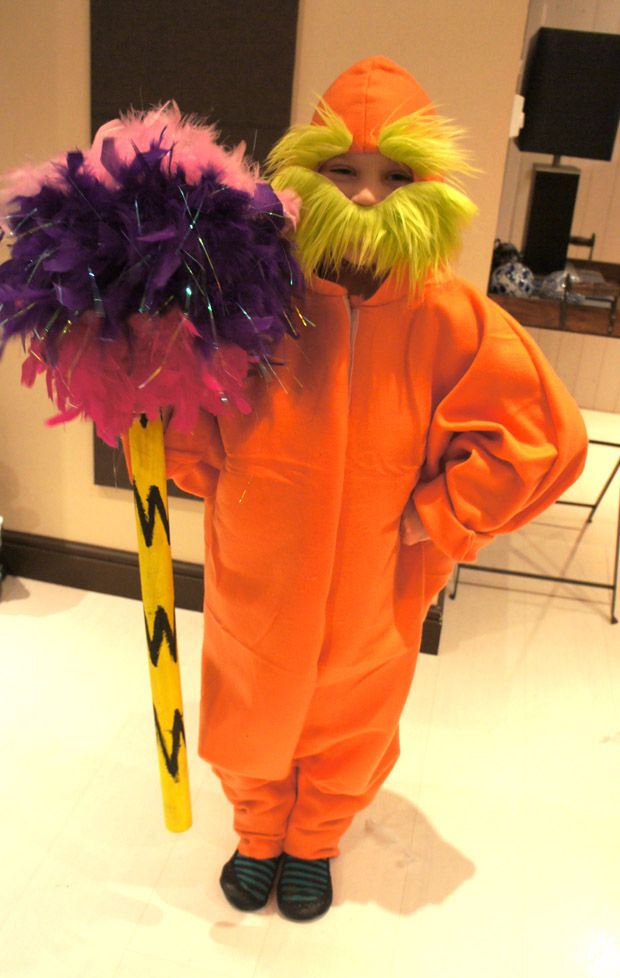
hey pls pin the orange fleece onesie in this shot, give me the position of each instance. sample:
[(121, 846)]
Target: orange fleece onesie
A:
[(313, 606)]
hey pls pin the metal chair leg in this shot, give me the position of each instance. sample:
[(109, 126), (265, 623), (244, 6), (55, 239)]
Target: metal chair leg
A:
[(603, 491), (457, 574), (614, 593)]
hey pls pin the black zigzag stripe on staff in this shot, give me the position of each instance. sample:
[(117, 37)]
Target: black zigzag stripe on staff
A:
[(162, 629), (171, 759), (155, 505)]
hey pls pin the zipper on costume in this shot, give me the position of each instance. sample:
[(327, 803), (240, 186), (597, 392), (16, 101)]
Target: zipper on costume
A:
[(353, 315)]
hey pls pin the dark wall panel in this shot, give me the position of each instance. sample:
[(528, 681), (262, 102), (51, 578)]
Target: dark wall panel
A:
[(229, 61)]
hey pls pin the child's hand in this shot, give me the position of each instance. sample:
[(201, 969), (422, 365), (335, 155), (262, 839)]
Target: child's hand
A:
[(412, 529)]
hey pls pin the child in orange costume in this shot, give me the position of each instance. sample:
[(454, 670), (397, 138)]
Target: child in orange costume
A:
[(409, 424)]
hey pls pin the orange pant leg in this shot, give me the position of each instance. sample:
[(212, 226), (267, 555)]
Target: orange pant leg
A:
[(348, 747), (261, 811), (322, 814)]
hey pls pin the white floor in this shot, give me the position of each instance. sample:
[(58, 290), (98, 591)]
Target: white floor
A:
[(493, 850)]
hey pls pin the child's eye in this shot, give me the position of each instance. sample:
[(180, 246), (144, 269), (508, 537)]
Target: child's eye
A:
[(341, 170), (397, 176)]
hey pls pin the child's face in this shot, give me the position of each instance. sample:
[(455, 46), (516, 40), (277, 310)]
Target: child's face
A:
[(365, 178)]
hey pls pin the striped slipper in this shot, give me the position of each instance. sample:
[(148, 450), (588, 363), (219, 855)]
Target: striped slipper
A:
[(304, 888), (247, 882)]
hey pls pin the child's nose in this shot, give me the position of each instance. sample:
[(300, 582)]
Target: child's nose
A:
[(366, 196)]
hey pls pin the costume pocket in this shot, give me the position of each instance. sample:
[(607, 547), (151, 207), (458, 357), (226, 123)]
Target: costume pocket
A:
[(437, 571), (422, 570), (409, 592)]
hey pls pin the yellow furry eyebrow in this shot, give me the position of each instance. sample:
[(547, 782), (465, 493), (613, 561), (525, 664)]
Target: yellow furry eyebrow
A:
[(424, 142), (309, 145)]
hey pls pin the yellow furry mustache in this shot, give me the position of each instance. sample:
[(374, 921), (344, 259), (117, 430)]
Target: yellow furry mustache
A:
[(413, 231)]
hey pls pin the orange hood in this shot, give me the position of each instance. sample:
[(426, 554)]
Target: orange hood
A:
[(370, 94), (376, 106)]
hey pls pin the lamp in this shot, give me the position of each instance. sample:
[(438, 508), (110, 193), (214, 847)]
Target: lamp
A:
[(572, 103)]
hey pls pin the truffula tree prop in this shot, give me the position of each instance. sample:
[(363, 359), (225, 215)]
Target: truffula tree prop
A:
[(149, 271)]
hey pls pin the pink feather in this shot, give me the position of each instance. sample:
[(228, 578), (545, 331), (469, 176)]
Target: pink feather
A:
[(195, 146), (112, 383)]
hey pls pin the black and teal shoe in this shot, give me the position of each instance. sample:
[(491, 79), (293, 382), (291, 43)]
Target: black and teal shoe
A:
[(304, 888), (247, 882)]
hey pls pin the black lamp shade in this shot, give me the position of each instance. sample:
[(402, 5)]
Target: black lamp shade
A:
[(572, 94)]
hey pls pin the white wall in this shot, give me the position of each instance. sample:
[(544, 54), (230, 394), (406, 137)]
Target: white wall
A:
[(464, 52), (588, 365)]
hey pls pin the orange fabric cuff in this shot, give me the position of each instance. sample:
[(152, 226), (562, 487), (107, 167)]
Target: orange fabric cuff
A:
[(434, 509)]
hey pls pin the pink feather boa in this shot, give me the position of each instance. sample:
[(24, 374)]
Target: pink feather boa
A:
[(195, 149), (113, 383)]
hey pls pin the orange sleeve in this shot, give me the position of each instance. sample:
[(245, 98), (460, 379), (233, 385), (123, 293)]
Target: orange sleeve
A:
[(505, 440), (193, 460)]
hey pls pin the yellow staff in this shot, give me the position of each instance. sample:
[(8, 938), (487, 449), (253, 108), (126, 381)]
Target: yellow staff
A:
[(146, 449)]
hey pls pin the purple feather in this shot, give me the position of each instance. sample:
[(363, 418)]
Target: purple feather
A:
[(149, 242)]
